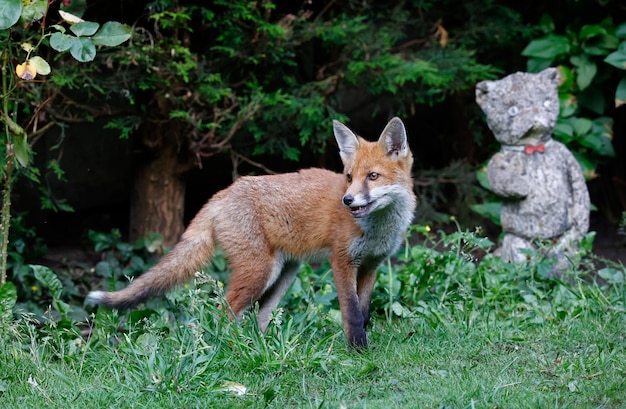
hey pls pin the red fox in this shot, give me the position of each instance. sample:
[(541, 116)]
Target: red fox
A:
[(267, 225)]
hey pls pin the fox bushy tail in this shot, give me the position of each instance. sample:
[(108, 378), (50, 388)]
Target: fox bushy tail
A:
[(189, 255)]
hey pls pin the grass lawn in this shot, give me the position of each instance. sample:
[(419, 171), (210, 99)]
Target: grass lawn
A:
[(448, 332), (579, 362)]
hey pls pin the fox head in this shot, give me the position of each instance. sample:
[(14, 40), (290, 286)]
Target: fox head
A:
[(378, 174)]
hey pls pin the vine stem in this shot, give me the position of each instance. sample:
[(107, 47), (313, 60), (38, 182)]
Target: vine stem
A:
[(5, 218)]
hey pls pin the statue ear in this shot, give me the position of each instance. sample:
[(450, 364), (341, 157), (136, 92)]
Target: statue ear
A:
[(482, 89), (551, 75)]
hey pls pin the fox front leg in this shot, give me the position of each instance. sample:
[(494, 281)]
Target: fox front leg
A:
[(351, 312), (365, 286)]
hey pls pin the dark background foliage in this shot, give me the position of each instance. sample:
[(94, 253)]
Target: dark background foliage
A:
[(206, 91)]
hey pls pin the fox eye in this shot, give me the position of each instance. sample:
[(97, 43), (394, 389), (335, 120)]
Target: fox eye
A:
[(349, 177), (373, 176)]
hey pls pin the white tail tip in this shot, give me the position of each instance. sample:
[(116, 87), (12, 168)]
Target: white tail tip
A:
[(96, 297)]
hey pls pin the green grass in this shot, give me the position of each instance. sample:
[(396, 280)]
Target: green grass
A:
[(577, 363), (449, 332)]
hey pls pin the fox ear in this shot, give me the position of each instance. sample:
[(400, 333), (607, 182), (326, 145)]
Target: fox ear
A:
[(393, 139), (346, 139)]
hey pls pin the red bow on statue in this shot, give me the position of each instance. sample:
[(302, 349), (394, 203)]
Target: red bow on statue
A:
[(530, 149)]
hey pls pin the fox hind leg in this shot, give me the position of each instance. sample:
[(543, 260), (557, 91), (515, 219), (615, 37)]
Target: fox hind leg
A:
[(272, 296), (251, 276)]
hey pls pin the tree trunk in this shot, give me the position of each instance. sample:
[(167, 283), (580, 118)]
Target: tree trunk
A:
[(158, 193)]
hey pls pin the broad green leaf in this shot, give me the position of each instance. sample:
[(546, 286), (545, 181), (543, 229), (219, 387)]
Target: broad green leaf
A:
[(586, 243), (618, 57), (592, 99), (599, 143), (481, 176), (596, 40), (591, 30), (112, 34), (603, 125), (537, 64), (549, 47), (601, 45), (61, 42), (620, 93), (568, 105), (10, 12), (588, 168), (567, 79), (489, 210), (546, 23), (564, 131), (581, 126), (13, 126), (83, 49), (49, 279), (620, 31), (84, 28), (585, 72), (62, 307), (41, 65), (612, 275)]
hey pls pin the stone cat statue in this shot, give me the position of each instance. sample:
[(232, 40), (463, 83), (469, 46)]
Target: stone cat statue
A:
[(544, 191)]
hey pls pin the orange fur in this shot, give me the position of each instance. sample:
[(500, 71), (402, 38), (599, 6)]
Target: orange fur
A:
[(267, 225)]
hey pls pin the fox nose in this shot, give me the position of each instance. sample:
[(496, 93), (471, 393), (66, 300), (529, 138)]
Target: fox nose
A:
[(348, 199)]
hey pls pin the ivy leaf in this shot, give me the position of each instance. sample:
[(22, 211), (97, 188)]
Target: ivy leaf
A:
[(84, 28), (61, 42), (69, 17), (83, 49), (33, 11), (10, 12), (112, 34), (41, 65)]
